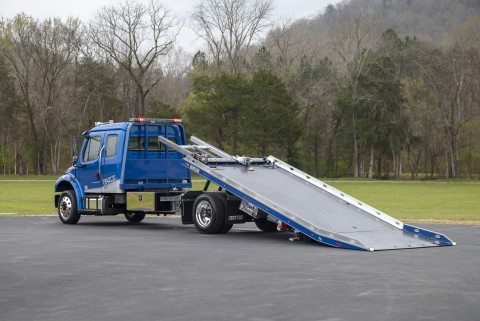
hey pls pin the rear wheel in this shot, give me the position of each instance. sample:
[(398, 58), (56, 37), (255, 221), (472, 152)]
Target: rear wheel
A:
[(265, 225), (134, 217), (67, 208), (209, 214)]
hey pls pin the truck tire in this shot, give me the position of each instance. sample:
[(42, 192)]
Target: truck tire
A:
[(265, 225), (209, 214), (226, 227), (134, 217), (67, 208)]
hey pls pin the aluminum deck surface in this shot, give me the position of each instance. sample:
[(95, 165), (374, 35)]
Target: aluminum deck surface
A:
[(320, 208)]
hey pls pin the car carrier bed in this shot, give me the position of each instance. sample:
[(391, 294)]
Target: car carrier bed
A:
[(309, 206)]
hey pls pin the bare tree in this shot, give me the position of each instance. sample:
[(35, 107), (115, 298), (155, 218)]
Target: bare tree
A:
[(352, 36), (176, 85), (56, 48), (288, 46), (135, 36), (41, 55), (457, 95), (17, 44), (229, 27), (453, 76)]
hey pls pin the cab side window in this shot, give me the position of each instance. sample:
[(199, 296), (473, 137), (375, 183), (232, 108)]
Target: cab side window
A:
[(112, 145), (92, 149)]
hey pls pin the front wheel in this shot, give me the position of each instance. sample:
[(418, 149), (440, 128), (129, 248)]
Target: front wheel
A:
[(134, 217), (67, 208), (209, 214)]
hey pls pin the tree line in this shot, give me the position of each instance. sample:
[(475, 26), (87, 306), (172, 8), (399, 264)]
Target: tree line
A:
[(336, 95)]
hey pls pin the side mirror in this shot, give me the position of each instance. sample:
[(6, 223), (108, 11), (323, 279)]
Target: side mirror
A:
[(75, 152), (75, 147)]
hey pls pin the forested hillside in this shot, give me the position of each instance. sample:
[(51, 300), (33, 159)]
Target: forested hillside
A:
[(428, 20), (367, 88)]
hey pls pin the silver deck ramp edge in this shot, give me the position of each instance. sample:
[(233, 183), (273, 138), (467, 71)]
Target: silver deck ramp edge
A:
[(312, 207)]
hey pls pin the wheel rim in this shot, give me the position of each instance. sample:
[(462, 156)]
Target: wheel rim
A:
[(203, 213), (65, 207)]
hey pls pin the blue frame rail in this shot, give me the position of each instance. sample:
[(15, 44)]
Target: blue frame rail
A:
[(438, 238)]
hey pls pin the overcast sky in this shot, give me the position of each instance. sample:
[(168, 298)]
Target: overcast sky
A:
[(84, 9)]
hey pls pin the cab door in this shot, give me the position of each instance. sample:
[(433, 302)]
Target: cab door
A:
[(88, 168), (111, 161)]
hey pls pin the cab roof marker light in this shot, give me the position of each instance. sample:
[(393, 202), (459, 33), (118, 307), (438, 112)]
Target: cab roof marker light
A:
[(155, 120), (98, 123)]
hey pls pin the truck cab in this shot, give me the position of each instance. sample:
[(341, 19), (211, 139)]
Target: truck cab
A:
[(123, 168)]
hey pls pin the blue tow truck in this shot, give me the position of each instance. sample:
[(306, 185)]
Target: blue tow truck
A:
[(144, 166)]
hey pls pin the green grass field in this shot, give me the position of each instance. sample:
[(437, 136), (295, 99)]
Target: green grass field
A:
[(435, 201), (419, 200), (33, 195)]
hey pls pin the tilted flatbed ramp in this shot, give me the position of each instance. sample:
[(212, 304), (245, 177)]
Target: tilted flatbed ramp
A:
[(305, 203)]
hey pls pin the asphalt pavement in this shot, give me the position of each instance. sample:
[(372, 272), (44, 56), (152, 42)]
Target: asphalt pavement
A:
[(104, 268)]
